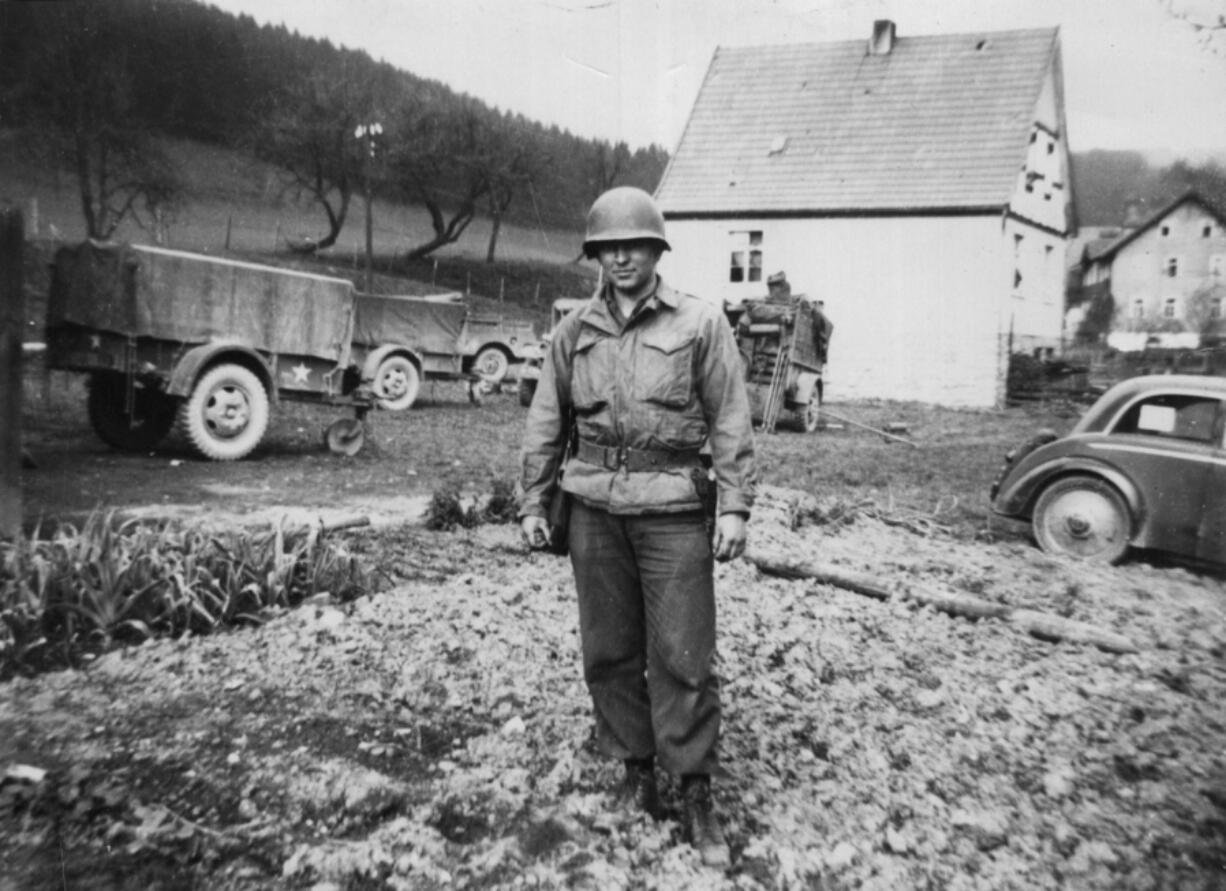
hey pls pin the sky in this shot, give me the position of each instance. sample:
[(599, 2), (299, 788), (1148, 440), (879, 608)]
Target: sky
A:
[(1136, 76)]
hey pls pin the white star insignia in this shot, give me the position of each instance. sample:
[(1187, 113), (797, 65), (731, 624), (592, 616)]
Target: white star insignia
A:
[(301, 373)]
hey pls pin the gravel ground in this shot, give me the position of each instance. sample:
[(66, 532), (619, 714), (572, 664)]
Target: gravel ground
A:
[(437, 735)]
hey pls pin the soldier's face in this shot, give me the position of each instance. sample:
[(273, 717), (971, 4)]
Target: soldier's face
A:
[(630, 266)]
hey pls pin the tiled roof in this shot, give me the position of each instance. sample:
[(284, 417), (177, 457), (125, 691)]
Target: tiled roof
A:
[(1110, 250), (940, 122)]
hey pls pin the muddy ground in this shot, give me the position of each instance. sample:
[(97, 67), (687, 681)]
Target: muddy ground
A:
[(436, 735)]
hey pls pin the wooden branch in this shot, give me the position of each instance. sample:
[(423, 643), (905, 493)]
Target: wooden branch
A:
[(1044, 626), (876, 430)]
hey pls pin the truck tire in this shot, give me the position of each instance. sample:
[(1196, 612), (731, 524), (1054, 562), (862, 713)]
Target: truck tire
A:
[(492, 364), (226, 415), (526, 390), (811, 415), (151, 418), (396, 383)]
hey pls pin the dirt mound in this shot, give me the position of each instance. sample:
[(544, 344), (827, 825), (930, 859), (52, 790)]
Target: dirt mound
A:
[(438, 734)]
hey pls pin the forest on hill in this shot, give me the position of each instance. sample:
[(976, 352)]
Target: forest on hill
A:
[(1117, 188), (97, 89)]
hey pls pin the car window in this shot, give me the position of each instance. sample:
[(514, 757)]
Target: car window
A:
[(1171, 416)]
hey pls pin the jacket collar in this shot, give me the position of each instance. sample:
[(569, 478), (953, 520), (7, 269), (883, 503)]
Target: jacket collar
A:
[(596, 312)]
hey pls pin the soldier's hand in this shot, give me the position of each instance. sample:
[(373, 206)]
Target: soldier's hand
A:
[(729, 540), (535, 531)]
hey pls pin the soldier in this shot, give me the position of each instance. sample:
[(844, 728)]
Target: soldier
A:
[(651, 377)]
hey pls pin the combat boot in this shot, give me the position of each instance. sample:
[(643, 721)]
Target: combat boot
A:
[(638, 789), (701, 824)]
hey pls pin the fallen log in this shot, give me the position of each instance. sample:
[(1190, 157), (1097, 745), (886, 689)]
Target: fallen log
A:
[(1041, 625)]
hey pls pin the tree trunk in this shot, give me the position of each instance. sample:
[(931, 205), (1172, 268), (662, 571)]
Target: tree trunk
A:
[(12, 324)]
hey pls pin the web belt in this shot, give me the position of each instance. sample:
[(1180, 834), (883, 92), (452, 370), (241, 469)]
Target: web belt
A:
[(624, 458)]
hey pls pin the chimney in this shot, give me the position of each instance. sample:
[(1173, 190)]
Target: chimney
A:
[(882, 41)]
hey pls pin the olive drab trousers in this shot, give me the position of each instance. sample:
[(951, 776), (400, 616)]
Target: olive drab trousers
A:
[(647, 626)]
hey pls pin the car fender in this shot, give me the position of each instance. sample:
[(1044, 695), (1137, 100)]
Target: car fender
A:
[(377, 355), (1018, 497), (192, 364)]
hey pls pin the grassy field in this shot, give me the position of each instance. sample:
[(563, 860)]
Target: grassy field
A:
[(238, 206)]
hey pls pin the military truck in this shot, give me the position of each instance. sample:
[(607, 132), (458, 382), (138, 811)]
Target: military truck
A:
[(530, 373), (212, 344), (405, 339)]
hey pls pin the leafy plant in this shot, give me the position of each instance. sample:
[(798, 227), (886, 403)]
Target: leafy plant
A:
[(85, 590), (447, 511)]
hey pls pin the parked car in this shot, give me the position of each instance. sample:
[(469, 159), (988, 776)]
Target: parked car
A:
[(1145, 467)]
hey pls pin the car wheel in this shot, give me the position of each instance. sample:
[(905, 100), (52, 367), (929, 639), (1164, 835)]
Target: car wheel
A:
[(396, 383), (526, 390), (151, 417), (226, 415), (1083, 517), (492, 364)]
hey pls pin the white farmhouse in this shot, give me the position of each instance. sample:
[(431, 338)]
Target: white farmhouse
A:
[(917, 185)]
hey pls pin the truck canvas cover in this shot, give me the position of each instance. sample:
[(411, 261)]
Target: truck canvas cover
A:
[(424, 324), (140, 291)]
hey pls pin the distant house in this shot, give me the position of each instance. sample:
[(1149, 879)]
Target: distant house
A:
[(918, 185), (1166, 277)]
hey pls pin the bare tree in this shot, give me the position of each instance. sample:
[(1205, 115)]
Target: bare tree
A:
[(79, 110), (513, 162), (308, 132), (1205, 17), (437, 159)]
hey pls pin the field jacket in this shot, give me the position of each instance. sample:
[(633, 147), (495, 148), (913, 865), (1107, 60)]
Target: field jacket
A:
[(669, 382)]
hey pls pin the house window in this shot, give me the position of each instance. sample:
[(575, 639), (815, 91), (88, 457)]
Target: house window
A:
[(746, 257), (1172, 267), (1168, 308), (1166, 230), (1215, 308), (1206, 232), (1217, 265), (1138, 309)]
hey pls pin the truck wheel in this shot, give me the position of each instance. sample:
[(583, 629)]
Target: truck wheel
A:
[(152, 415), (813, 412), (492, 364), (226, 415), (526, 390), (396, 383)]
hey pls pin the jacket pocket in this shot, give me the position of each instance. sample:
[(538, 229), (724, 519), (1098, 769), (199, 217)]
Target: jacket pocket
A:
[(591, 372), (665, 373)]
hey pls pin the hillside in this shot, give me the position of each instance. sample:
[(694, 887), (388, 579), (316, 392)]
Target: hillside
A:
[(232, 199)]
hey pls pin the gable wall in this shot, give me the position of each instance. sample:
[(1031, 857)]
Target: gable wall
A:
[(921, 305), (1138, 270)]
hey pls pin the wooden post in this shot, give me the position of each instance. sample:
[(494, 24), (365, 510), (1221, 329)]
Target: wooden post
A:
[(12, 323)]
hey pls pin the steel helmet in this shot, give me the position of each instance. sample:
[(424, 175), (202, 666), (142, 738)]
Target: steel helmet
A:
[(623, 214)]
